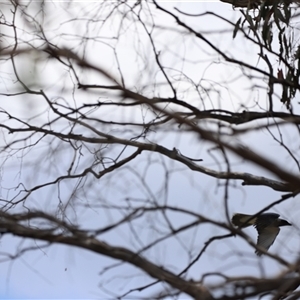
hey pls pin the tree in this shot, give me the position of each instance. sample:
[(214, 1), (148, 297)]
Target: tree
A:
[(134, 130)]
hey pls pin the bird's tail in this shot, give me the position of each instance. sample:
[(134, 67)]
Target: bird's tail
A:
[(242, 220)]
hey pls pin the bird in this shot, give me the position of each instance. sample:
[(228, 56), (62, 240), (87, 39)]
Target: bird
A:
[(266, 224)]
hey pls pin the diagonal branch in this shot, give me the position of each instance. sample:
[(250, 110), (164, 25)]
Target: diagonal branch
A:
[(82, 240)]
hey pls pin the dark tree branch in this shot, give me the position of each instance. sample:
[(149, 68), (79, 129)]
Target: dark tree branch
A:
[(83, 240)]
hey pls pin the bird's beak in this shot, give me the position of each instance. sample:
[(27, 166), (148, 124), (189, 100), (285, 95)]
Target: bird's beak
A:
[(286, 223)]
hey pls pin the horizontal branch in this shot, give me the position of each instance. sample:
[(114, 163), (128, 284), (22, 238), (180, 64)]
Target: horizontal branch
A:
[(83, 240), (248, 179)]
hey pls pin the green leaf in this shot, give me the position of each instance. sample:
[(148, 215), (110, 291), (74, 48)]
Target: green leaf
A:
[(236, 27)]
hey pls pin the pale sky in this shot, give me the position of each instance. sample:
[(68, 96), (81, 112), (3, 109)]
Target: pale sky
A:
[(62, 272)]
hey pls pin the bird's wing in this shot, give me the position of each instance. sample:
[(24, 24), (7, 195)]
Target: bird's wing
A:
[(266, 238), (242, 220)]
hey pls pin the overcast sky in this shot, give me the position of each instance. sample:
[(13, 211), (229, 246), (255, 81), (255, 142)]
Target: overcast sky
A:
[(62, 272)]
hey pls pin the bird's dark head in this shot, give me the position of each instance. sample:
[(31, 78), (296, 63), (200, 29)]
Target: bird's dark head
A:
[(284, 223)]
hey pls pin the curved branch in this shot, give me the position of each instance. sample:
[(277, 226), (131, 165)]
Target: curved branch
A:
[(248, 179), (82, 240)]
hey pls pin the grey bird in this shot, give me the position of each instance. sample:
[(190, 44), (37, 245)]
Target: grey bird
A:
[(267, 226)]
